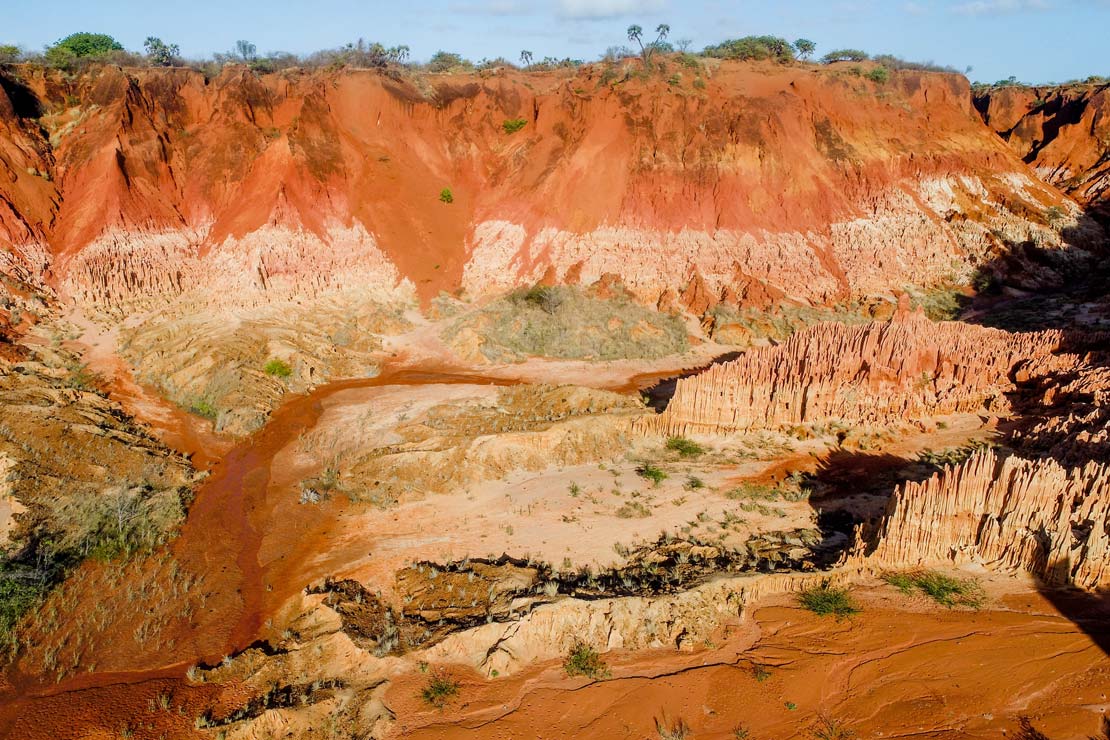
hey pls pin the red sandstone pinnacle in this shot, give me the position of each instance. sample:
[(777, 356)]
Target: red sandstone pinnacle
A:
[(909, 368), (1011, 514)]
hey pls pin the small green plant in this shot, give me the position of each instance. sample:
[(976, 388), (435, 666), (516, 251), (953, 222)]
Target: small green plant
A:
[(878, 75), (827, 600), (760, 673), (740, 732), (651, 472), (204, 407), (674, 80), (512, 125), (445, 196), (439, 690), (945, 590), (583, 660), (574, 489), (693, 483), (684, 447), (699, 83), (278, 368), (790, 705)]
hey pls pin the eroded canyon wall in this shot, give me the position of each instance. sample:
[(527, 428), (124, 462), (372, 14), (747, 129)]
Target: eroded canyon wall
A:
[(1062, 132), (1011, 514), (149, 184), (881, 372)]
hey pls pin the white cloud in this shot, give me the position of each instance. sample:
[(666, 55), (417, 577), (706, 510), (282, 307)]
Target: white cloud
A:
[(606, 8), (995, 7), (915, 8)]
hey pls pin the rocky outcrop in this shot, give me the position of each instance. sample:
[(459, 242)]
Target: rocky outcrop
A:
[(1062, 132), (880, 372), (1010, 514)]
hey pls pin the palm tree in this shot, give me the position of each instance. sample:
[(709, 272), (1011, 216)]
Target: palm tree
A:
[(526, 58)]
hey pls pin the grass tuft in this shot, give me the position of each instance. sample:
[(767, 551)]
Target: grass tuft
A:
[(278, 368), (512, 125), (583, 660), (653, 473), (943, 589), (826, 600), (685, 447), (439, 690)]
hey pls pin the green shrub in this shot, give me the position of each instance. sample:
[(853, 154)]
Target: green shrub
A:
[(826, 600), (699, 83), (753, 47), (545, 297), (82, 45), (583, 660), (693, 483), (278, 368), (445, 196), (845, 55), (446, 61), (203, 407), (945, 590), (684, 447), (439, 690), (633, 510), (879, 75), (512, 125), (655, 474)]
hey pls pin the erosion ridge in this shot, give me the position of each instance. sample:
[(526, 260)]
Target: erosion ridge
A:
[(907, 369)]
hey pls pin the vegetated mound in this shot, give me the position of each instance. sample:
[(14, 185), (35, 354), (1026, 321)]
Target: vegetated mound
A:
[(903, 370), (1010, 514), (1063, 132), (601, 323), (234, 367)]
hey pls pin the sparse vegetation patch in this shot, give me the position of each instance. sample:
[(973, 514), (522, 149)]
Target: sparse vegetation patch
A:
[(278, 368), (569, 323), (943, 589), (439, 690), (827, 600)]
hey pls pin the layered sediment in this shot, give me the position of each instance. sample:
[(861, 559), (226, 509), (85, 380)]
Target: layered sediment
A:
[(151, 184)]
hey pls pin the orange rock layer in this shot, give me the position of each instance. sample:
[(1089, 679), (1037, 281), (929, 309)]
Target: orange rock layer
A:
[(1063, 132), (878, 372), (806, 181), (1011, 514)]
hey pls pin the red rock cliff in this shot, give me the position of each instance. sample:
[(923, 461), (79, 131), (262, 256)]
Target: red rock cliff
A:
[(1063, 132), (816, 182)]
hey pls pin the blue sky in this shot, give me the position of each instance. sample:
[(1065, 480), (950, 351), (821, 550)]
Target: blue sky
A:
[(1036, 40)]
